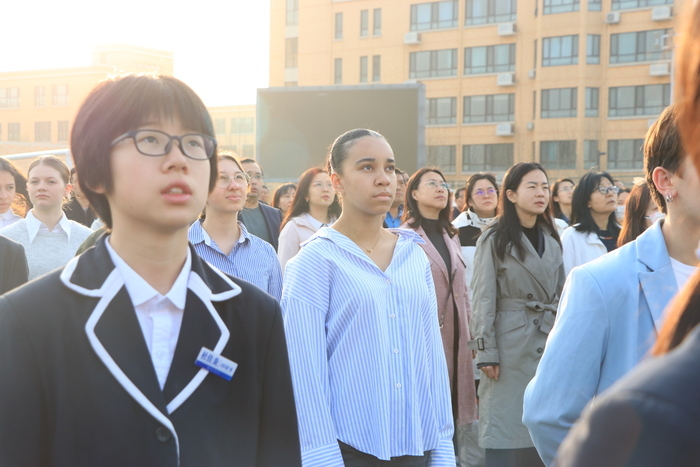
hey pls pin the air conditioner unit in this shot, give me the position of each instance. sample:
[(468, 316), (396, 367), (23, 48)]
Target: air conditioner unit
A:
[(411, 38), (613, 17), (661, 13), (505, 79), (660, 69), (504, 129), (530, 126), (506, 29), (531, 74)]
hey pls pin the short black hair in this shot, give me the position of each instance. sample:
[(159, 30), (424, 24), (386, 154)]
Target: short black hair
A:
[(250, 160), (581, 213), (338, 151)]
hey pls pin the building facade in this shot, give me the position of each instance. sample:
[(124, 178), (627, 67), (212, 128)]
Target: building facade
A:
[(572, 84)]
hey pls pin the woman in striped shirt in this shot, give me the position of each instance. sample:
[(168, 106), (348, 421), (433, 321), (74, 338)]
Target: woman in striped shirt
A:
[(369, 371)]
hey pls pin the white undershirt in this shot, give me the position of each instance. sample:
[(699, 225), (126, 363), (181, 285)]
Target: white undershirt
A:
[(682, 272), (160, 317)]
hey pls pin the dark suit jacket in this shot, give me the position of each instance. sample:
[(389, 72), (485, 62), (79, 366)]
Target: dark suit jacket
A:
[(78, 387), (273, 220), (13, 265), (649, 418)]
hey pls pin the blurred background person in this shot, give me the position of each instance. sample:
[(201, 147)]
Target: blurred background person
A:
[(78, 209), (621, 203), (224, 242), (516, 287), (12, 184), (395, 214), (640, 212), (283, 197), (315, 206), (260, 219), (460, 202), (428, 211), (594, 228), (49, 238), (562, 192), (20, 205), (264, 195)]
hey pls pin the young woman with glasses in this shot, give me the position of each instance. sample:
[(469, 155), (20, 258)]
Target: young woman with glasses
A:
[(222, 240), (562, 192), (594, 228), (516, 292), (428, 210), (361, 320), (315, 206)]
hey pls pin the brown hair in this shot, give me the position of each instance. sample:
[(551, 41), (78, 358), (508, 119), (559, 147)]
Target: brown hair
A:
[(662, 148), (412, 214), (633, 222), (55, 163)]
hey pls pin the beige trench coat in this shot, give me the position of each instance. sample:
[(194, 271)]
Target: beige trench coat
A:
[(514, 302)]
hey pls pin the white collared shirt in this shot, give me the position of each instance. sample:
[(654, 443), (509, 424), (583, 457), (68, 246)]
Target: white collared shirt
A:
[(160, 317), (8, 218), (315, 223), (34, 226)]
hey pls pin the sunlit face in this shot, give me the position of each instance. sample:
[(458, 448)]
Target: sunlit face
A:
[(320, 191), (228, 199), (622, 197), (163, 193), (532, 195), (431, 193), (484, 198), (46, 187), (565, 192), (603, 203), (286, 200), (368, 181), (7, 191), (256, 180)]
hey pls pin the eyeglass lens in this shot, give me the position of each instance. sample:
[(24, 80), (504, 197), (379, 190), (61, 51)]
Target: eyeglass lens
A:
[(158, 143)]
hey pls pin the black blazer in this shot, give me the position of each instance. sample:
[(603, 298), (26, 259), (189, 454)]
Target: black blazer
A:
[(13, 265), (273, 220), (78, 387), (649, 418)]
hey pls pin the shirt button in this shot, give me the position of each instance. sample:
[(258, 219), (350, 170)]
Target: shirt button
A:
[(396, 350), (163, 434), (537, 321), (539, 350), (398, 385), (529, 295), (456, 295), (392, 315), (388, 281)]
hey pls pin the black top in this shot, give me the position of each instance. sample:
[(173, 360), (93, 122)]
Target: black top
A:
[(608, 239), (434, 233), (75, 212), (534, 234)]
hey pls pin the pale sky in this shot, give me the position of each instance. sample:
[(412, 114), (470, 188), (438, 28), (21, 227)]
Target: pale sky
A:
[(221, 47)]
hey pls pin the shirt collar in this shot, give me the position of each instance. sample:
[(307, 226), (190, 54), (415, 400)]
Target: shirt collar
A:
[(141, 291), (197, 234), (314, 223), (34, 224), (9, 215)]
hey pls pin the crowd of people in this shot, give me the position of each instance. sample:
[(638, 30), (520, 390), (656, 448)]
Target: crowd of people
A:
[(159, 307)]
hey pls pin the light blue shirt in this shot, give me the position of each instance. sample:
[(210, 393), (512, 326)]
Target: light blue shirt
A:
[(365, 352), (252, 259), (394, 222)]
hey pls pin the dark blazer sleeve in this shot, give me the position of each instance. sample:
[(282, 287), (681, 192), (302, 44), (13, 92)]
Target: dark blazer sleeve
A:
[(14, 270), (273, 219)]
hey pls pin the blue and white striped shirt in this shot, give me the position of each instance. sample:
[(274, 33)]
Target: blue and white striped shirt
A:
[(365, 351), (252, 259)]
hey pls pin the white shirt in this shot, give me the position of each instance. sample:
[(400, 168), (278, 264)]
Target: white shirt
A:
[(682, 272), (34, 225), (160, 317), (8, 218), (316, 224)]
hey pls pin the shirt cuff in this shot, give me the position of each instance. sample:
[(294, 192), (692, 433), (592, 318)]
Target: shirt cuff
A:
[(444, 455), (323, 456)]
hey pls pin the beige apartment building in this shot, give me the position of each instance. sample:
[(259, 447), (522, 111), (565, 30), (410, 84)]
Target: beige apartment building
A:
[(572, 84)]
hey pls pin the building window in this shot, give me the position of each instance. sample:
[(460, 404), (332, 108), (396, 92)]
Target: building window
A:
[(560, 50), (558, 154), (442, 111), (60, 94), (592, 98), (39, 96), (487, 157), (42, 132), (338, 71), (292, 12), (628, 4), (489, 59), (560, 6), (591, 155), (434, 15), (291, 84), (443, 157), (593, 49), (9, 98), (220, 126), (559, 103), (364, 23), (363, 69), (625, 154), (13, 133), (377, 22), (376, 68), (595, 5), (490, 11), (338, 26), (433, 63), (489, 108), (291, 55), (242, 125), (627, 101), (639, 46), (62, 132)]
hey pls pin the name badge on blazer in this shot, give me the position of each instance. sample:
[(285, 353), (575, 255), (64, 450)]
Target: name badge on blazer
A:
[(216, 364)]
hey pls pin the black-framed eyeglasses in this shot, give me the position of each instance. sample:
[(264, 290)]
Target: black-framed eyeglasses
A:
[(158, 143), (608, 189), (224, 180)]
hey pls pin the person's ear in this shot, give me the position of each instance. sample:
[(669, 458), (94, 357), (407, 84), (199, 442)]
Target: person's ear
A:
[(663, 181), (337, 183), (512, 197)]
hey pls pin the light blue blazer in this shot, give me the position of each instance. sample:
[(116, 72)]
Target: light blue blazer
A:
[(607, 320)]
